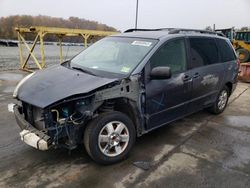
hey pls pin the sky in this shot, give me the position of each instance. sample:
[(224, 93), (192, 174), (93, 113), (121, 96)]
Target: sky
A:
[(196, 14)]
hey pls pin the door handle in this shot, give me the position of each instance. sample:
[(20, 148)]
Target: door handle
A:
[(196, 75), (186, 78)]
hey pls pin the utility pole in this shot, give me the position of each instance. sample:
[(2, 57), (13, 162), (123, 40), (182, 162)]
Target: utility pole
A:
[(136, 16)]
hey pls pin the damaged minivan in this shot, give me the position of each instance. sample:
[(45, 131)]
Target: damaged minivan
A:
[(124, 86)]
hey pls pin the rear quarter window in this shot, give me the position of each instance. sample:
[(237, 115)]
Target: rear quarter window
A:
[(226, 51)]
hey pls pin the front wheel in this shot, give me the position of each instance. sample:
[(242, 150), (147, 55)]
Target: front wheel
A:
[(221, 101), (109, 137)]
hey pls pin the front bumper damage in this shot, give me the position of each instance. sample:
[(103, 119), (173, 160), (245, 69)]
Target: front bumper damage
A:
[(32, 139), (29, 134)]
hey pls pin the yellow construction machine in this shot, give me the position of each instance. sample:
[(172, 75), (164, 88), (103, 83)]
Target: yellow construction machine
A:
[(241, 43)]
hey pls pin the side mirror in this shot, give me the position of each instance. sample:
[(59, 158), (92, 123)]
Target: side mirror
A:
[(159, 73)]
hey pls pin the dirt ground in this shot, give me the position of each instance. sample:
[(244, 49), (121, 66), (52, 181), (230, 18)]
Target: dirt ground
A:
[(201, 150)]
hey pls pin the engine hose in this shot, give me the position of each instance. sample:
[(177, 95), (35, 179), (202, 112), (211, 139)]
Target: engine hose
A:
[(57, 114)]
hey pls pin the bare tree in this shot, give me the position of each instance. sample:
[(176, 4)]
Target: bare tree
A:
[(208, 28)]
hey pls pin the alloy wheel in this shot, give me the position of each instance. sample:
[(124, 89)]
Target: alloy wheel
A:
[(113, 139)]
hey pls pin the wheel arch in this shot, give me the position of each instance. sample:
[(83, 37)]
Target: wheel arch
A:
[(230, 87), (128, 107)]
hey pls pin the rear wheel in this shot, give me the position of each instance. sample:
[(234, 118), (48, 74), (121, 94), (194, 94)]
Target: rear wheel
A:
[(109, 137), (243, 55), (221, 101)]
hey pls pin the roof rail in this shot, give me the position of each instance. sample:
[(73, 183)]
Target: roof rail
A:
[(175, 31), (159, 29), (132, 30), (178, 30)]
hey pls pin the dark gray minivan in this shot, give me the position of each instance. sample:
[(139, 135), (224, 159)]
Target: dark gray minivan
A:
[(124, 86)]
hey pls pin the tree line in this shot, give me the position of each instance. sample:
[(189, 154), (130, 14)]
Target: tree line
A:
[(8, 24)]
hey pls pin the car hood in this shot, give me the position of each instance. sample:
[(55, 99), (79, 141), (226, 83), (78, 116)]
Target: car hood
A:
[(56, 83)]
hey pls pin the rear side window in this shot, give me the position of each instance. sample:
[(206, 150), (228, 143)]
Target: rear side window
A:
[(226, 51), (203, 52)]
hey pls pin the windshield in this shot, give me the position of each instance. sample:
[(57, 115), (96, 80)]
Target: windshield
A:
[(114, 55)]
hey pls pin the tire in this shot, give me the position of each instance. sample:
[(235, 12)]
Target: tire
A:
[(221, 101), (243, 55), (109, 137)]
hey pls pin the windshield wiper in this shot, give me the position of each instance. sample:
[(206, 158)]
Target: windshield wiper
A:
[(83, 70)]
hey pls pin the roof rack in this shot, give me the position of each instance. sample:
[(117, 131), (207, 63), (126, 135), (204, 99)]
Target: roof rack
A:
[(159, 29), (176, 31), (132, 30)]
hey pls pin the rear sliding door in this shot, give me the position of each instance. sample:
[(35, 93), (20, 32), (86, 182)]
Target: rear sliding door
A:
[(207, 72)]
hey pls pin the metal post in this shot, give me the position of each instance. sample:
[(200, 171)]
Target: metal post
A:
[(42, 50), (85, 36), (85, 42), (61, 52), (136, 16), (20, 49)]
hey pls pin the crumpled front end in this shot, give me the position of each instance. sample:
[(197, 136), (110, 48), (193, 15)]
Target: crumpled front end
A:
[(56, 126), (29, 134)]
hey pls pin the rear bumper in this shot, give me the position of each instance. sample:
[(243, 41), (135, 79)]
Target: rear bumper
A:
[(29, 134)]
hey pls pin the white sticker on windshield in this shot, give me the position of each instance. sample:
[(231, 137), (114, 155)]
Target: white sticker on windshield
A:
[(94, 67), (142, 43), (125, 69)]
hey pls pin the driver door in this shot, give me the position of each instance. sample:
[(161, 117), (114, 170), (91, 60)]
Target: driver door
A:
[(166, 99)]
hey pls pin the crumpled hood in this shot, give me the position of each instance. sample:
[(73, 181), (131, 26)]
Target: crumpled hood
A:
[(56, 83)]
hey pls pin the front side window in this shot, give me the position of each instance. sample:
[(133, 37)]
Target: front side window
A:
[(203, 52), (172, 54), (113, 55)]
